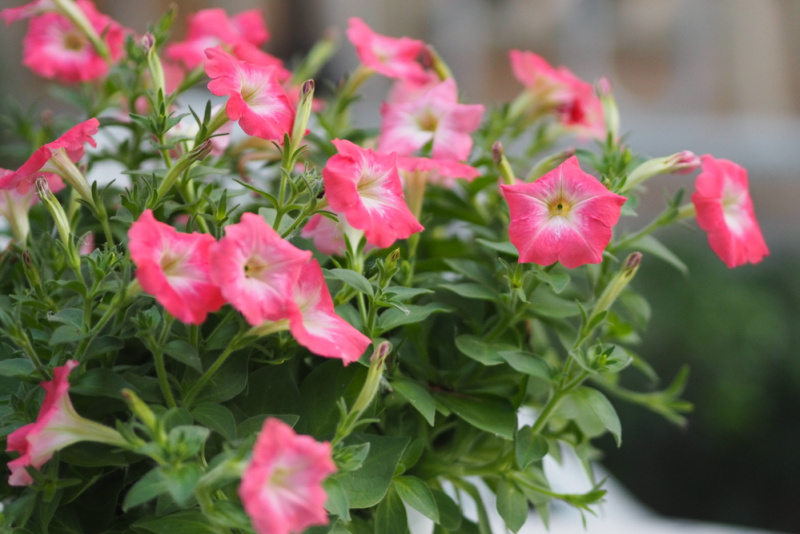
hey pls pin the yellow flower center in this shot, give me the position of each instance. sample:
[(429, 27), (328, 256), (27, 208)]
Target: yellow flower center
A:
[(560, 207), (428, 122), (74, 41)]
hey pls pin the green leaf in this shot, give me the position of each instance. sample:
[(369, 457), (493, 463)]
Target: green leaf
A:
[(367, 486), (471, 269), (185, 353), (471, 291), (322, 389), (500, 246), (390, 517), (351, 457), (492, 414), (546, 304), (337, 502), (593, 412), (529, 447), (186, 440), (406, 293), (229, 381), (186, 522), (103, 345), (528, 363), (16, 367), (651, 245), (100, 383), (558, 281), (216, 417), (66, 333), (449, 512), (480, 351), (393, 317), (353, 279), (150, 486), (70, 316), (419, 397), (511, 505), (180, 480), (416, 494)]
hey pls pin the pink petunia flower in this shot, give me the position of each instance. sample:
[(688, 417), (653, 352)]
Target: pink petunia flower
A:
[(434, 117), (392, 57), (365, 187), (256, 98), (281, 488), (560, 92), (16, 202), (441, 172), (58, 157), (327, 235), (209, 28), (56, 427), (566, 216), (174, 267), (31, 9), (256, 269), (56, 49), (725, 211), (314, 323)]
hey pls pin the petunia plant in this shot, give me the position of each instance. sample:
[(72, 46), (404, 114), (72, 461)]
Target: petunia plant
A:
[(227, 309)]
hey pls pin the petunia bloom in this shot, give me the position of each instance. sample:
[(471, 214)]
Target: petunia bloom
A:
[(212, 27), (58, 157), (566, 216), (725, 211), (558, 91), (256, 98), (392, 57), (314, 323), (281, 487), (256, 269), (365, 187), (174, 267), (56, 49), (56, 427), (16, 202), (434, 117)]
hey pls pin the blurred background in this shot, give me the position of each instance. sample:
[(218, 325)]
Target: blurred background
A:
[(717, 76)]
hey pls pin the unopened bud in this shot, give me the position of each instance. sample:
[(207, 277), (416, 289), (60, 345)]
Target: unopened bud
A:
[(141, 410), (682, 162), (618, 283), (502, 164), (610, 109), (437, 64), (147, 41), (303, 112)]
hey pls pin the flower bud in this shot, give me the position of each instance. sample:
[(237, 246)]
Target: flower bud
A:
[(502, 164), (610, 109), (303, 112), (618, 283), (157, 77), (682, 162), (60, 218), (438, 65)]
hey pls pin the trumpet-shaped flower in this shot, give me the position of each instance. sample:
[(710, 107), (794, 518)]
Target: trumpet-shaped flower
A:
[(57, 157), (558, 91), (434, 117), (174, 267), (17, 201), (725, 212), (256, 98), (566, 215), (256, 269), (314, 323), (392, 57), (327, 235), (281, 487), (365, 187), (56, 427), (56, 49), (212, 27)]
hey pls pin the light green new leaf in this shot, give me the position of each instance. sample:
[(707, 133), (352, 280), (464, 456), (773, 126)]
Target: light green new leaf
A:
[(511, 505), (417, 495)]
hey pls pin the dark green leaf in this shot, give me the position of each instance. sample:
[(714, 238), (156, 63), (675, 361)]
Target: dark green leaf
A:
[(367, 486), (69, 316), (416, 494), (449, 512), (150, 486), (100, 383), (393, 318), (337, 502), (529, 447), (16, 367), (480, 351), (103, 345), (322, 389), (471, 291), (419, 397), (180, 480), (186, 440), (528, 363), (185, 353), (390, 517), (216, 417), (229, 381), (66, 333), (187, 522), (492, 414), (500, 246)]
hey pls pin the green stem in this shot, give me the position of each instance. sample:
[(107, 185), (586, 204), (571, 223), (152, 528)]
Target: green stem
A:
[(198, 386)]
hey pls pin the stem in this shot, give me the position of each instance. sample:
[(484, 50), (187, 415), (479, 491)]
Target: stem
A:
[(198, 386), (163, 379)]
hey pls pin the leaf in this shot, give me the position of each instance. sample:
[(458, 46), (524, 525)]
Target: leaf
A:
[(492, 414), (367, 486), (185, 353), (528, 363), (180, 480), (150, 486), (406, 293), (229, 381), (529, 447), (66, 333), (186, 440), (16, 367), (186, 522), (70, 316), (393, 318), (103, 345), (511, 505), (500, 246), (593, 412), (100, 383), (322, 389), (216, 417), (416, 494), (449, 512), (337, 502), (353, 279), (651, 245), (471, 269), (546, 304), (480, 351), (390, 517), (558, 281), (471, 291), (419, 397)]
